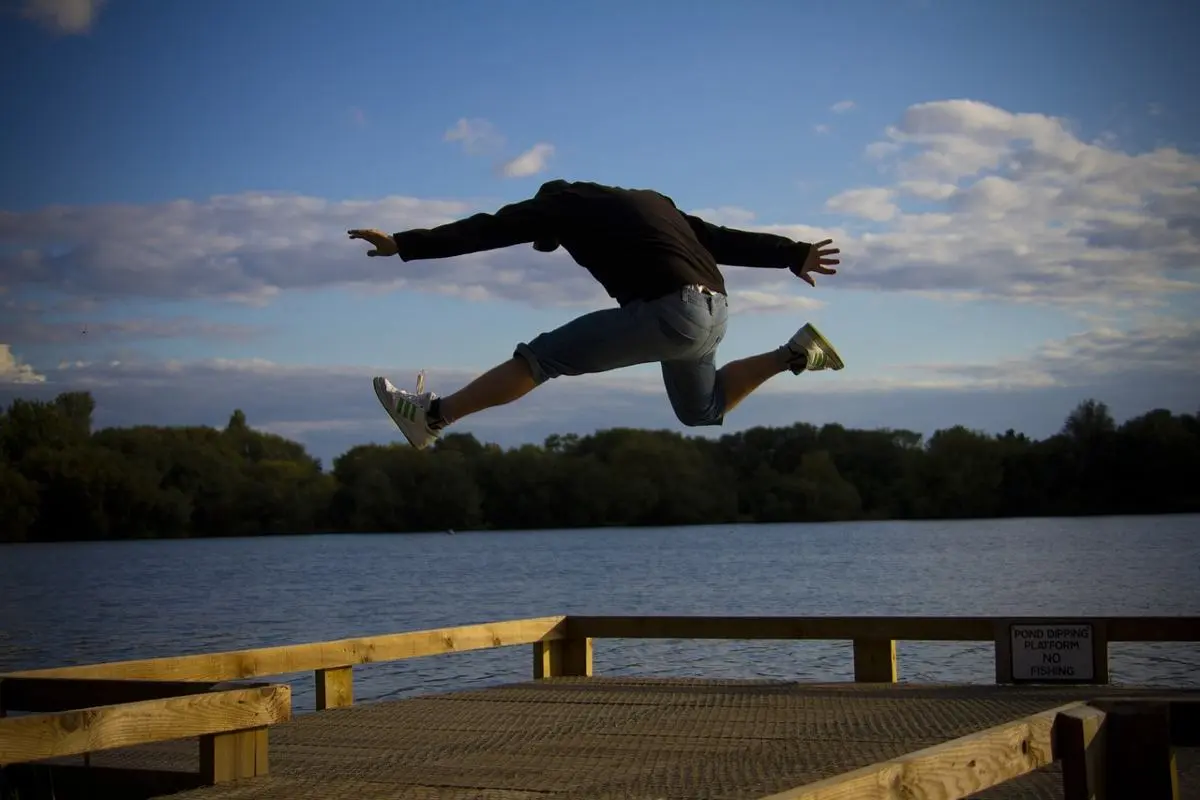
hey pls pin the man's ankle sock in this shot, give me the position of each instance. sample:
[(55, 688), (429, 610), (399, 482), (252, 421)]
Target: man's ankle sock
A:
[(433, 417), (796, 362)]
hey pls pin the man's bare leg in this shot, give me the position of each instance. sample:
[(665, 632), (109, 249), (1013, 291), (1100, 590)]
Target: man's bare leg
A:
[(741, 377), (501, 384), (806, 351)]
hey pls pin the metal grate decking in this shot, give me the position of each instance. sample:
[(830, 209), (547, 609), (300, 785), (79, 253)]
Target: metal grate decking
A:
[(623, 738)]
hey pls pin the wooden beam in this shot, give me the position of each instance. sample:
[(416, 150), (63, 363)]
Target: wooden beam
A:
[(1080, 744), (69, 733), (949, 771), (1183, 709), (335, 688), (1153, 629), (285, 659), (875, 661), (1140, 759), (67, 694), (746, 628)]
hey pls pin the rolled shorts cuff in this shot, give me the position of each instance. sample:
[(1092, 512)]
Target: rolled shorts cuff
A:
[(540, 375)]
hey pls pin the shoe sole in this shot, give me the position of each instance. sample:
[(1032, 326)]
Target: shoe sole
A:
[(835, 361), (385, 401)]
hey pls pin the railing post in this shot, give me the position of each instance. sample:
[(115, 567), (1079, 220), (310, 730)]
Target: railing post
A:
[(875, 660), (1079, 741), (230, 756), (559, 658), (1139, 754), (335, 687)]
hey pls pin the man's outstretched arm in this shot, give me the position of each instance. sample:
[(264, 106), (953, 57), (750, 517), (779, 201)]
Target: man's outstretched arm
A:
[(737, 248), (745, 249), (516, 223)]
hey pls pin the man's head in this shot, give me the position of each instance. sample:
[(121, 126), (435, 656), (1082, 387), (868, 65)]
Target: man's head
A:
[(545, 245)]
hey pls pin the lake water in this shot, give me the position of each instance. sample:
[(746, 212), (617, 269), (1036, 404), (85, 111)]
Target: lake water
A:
[(78, 603)]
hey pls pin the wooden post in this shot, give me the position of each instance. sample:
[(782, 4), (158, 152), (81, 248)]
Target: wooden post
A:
[(1140, 759), (875, 660), (1099, 651), (335, 687), (562, 658), (1003, 640), (1080, 743), (229, 756)]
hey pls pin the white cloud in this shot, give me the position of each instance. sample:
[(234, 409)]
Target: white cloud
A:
[(978, 203), (531, 162), (13, 370), (63, 16), (822, 128), (753, 301), (478, 136), (842, 106), (26, 327), (333, 407), (730, 216), (872, 203), (927, 190), (1031, 212)]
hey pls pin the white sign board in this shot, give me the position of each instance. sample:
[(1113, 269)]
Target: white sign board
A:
[(1048, 653)]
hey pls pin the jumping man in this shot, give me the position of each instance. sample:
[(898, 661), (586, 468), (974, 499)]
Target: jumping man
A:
[(659, 264)]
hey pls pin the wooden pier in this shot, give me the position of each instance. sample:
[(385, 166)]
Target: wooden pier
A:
[(207, 727)]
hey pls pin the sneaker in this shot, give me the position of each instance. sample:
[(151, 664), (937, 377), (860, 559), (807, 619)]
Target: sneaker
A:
[(809, 351), (408, 410)]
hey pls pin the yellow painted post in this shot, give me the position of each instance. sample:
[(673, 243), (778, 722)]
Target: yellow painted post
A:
[(562, 658), (875, 661), (230, 756), (335, 687)]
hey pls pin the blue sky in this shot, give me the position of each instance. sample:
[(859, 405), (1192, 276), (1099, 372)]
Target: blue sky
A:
[(1013, 186)]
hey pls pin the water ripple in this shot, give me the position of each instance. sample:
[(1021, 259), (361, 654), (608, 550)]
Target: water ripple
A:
[(85, 602)]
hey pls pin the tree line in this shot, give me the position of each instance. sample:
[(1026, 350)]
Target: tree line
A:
[(61, 480)]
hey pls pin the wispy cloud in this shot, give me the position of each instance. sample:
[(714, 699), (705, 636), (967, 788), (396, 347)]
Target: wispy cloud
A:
[(70, 17), (333, 407), (842, 106), (478, 136), (977, 203), (534, 160), (822, 128)]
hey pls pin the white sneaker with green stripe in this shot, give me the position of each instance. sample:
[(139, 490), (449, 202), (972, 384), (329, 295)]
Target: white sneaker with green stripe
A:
[(809, 351), (408, 410)]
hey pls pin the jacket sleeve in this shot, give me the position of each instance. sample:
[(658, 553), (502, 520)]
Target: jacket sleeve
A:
[(737, 248), (513, 224)]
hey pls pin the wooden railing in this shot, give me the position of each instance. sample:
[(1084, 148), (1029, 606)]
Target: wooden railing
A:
[(76, 705)]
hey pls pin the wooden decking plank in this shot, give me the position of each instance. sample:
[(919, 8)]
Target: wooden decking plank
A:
[(610, 737)]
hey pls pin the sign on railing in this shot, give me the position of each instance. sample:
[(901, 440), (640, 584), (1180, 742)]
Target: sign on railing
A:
[(1054, 653)]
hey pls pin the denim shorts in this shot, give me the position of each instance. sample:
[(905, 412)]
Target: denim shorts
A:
[(680, 330)]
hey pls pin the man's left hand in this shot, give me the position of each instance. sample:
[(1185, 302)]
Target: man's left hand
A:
[(820, 259), (384, 244)]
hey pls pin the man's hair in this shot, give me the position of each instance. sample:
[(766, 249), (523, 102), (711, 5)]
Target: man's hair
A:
[(545, 245)]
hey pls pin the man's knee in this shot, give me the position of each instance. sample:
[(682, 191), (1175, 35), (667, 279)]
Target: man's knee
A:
[(538, 370), (695, 417)]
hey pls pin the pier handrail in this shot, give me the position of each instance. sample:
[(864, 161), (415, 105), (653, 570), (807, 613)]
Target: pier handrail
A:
[(563, 645), (149, 693)]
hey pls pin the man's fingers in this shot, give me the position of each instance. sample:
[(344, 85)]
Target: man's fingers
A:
[(822, 243)]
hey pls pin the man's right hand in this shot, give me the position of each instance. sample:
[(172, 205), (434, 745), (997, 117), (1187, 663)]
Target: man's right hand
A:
[(384, 244), (819, 260)]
